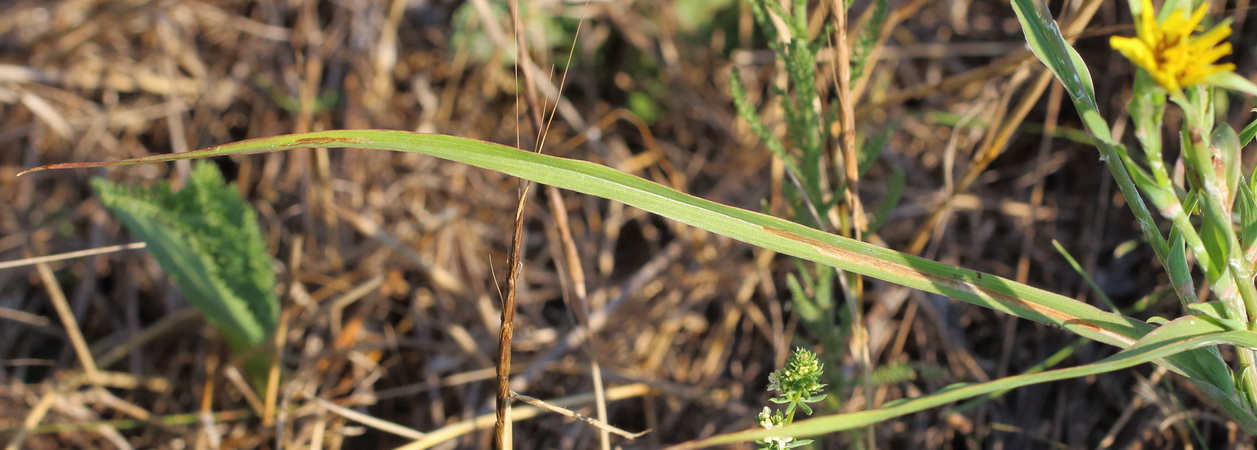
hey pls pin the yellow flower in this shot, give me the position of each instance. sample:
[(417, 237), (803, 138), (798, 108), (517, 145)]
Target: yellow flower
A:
[(1170, 53)]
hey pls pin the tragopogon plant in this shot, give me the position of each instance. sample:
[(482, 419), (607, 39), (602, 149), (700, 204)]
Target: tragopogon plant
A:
[(1176, 63)]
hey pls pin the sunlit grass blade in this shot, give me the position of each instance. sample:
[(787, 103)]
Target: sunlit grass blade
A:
[(757, 229), (765, 231)]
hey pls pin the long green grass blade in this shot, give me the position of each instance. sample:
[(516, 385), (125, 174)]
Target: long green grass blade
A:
[(1180, 335), (754, 228)]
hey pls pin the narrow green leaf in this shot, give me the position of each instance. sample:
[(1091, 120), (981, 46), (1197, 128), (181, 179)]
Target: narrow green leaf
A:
[(1179, 270), (1073, 263), (1044, 37), (1246, 209), (1178, 336), (1218, 313), (757, 229), (761, 230), (1226, 145), (1249, 131), (1232, 81)]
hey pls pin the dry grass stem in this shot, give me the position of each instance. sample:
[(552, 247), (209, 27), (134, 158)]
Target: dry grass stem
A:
[(569, 413), (366, 419), (70, 255)]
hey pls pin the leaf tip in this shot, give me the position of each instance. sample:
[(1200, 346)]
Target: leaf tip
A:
[(36, 169), (59, 166)]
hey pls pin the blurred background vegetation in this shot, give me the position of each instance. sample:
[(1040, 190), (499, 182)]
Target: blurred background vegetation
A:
[(390, 265)]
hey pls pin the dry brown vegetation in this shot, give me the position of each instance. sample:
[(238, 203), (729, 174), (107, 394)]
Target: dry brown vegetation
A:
[(391, 264)]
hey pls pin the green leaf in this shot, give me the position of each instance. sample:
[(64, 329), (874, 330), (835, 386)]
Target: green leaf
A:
[(1073, 263), (893, 373), (644, 106), (1216, 242), (757, 229), (1044, 37), (1218, 313), (871, 149), (1249, 131), (206, 238), (1180, 272), (747, 112), (761, 230), (1246, 209), (1232, 81), (1178, 336), (1226, 145), (802, 303)]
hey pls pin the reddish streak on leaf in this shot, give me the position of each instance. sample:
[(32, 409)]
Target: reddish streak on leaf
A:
[(316, 141)]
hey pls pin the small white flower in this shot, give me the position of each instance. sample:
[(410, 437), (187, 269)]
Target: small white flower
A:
[(769, 421), (774, 382)]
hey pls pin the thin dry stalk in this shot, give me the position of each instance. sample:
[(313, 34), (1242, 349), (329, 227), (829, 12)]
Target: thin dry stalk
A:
[(59, 303), (854, 284), (207, 402), (457, 429), (32, 420), (70, 255), (850, 163), (272, 375), (579, 305), (501, 429), (379, 424), (602, 426)]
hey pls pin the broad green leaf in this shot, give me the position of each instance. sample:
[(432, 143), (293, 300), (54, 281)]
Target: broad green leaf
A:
[(206, 238)]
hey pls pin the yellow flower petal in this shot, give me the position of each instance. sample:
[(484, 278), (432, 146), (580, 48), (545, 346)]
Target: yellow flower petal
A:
[(1135, 50), (1169, 52), (1147, 21), (1214, 54), (1198, 15), (1212, 37)]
